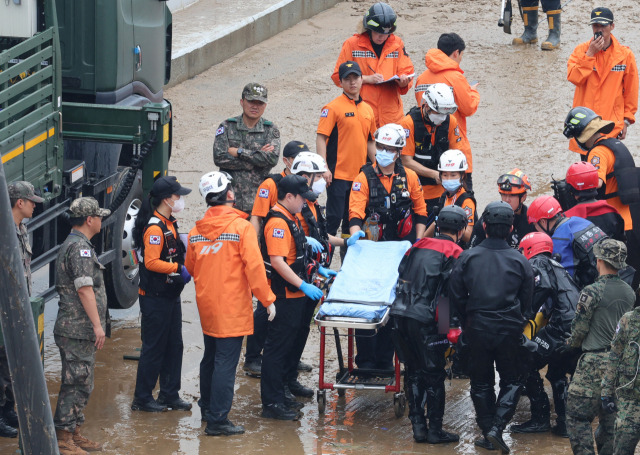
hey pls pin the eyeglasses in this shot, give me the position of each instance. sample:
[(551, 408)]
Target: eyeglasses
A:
[(388, 148), (506, 181)]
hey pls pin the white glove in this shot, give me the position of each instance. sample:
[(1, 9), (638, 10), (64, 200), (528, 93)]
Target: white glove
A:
[(271, 309)]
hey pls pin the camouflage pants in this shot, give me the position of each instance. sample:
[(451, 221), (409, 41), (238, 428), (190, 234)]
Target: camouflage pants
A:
[(627, 429), (78, 363), (583, 405)]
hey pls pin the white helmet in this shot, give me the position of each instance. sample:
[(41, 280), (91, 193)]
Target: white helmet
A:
[(308, 162), (216, 182), (440, 98), (453, 161), (391, 134)]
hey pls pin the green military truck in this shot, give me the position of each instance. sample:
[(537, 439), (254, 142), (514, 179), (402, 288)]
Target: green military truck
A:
[(82, 113)]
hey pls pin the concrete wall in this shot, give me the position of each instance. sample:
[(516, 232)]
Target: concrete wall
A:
[(187, 63), (177, 5)]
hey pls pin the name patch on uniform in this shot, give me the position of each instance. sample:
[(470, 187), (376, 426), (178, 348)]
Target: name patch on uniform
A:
[(85, 253), (278, 233), (220, 130), (619, 68), (324, 113), (595, 160), (349, 114), (154, 239), (263, 193), (356, 186), (407, 132)]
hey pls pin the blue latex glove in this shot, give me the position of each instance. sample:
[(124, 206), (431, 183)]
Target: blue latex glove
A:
[(184, 273), (316, 246), (326, 272), (311, 291), (354, 238)]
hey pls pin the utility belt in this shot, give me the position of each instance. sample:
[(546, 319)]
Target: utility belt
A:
[(597, 351)]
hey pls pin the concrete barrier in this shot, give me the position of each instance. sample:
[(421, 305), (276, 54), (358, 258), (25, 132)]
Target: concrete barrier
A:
[(188, 62)]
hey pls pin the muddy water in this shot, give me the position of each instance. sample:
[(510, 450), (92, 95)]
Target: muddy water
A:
[(525, 98)]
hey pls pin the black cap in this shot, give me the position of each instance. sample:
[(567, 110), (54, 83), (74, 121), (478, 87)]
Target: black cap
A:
[(602, 16), (296, 184), (166, 186), (349, 67), (292, 149)]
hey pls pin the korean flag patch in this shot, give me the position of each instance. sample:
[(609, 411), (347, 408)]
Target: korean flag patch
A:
[(278, 233), (263, 193), (154, 240), (220, 130), (356, 186), (85, 253), (324, 113)]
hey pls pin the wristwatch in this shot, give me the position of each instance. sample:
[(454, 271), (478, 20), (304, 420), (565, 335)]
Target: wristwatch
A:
[(240, 151)]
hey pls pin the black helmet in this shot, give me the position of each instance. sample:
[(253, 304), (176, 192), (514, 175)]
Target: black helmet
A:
[(452, 218), (380, 18), (577, 120), (498, 212)]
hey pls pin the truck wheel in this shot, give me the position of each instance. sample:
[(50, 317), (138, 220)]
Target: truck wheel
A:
[(122, 275)]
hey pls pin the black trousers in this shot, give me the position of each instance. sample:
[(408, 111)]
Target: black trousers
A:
[(547, 5), (255, 342), (300, 340), (277, 348), (218, 376), (338, 206), (485, 350), (161, 355)]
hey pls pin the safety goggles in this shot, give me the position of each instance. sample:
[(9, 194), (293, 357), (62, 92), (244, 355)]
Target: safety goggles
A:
[(507, 181)]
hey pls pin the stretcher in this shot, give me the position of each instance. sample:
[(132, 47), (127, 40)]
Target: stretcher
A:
[(361, 298)]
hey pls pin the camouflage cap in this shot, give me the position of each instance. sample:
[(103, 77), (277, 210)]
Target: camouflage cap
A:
[(612, 251), (254, 92), (87, 206), (23, 190)]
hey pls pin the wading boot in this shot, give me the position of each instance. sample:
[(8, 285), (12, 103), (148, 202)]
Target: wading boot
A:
[(559, 389), (85, 443), (530, 35), (7, 431), (484, 443), (553, 40), (540, 408), (419, 427), (495, 438), (416, 398), (435, 412), (10, 415), (66, 446)]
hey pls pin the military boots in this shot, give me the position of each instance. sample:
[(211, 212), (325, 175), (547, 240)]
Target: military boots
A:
[(553, 40), (66, 446), (85, 443), (530, 35)]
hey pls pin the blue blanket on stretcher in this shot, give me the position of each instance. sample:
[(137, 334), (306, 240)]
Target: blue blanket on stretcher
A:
[(366, 283)]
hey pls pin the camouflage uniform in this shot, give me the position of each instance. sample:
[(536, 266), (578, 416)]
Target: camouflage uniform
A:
[(77, 266), (252, 165), (621, 381), (599, 309)]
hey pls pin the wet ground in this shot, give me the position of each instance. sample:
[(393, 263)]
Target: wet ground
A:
[(525, 98)]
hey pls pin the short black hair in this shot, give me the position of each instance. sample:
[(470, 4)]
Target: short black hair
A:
[(450, 42), (497, 231), (76, 221), (14, 201), (449, 232), (281, 194)]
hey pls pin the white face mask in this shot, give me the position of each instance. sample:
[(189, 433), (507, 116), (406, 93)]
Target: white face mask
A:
[(178, 206), (436, 118), (319, 186)]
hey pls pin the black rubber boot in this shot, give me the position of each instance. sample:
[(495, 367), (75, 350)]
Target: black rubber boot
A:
[(540, 409), (484, 443), (530, 35), (484, 402), (559, 389), (435, 412), (416, 399), (553, 40), (494, 436)]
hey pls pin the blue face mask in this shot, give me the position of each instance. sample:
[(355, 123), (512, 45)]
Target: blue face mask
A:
[(385, 158), (451, 185)]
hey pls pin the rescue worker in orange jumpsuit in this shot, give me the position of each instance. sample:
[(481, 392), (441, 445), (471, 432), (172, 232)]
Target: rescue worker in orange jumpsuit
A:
[(387, 70)]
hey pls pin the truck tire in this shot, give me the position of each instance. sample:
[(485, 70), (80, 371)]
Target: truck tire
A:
[(122, 275)]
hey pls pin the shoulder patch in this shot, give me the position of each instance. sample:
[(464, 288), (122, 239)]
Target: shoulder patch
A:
[(324, 113), (278, 233), (584, 300), (85, 253), (595, 160), (356, 186), (263, 193), (220, 130), (154, 239), (468, 212)]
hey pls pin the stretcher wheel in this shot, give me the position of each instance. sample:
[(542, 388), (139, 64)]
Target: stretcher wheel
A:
[(399, 404), (322, 400)]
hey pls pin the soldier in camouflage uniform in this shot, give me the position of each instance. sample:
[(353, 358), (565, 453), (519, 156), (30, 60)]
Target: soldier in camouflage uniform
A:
[(81, 322), (247, 146), (621, 381), (23, 201), (599, 309)]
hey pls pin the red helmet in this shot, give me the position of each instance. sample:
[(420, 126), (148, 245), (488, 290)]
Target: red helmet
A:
[(535, 243), (582, 176), (515, 182), (543, 208)]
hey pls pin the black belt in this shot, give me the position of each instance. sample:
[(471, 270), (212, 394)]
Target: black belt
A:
[(595, 351)]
